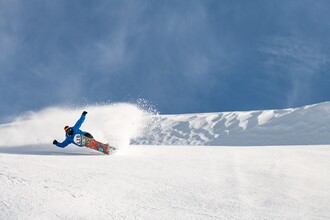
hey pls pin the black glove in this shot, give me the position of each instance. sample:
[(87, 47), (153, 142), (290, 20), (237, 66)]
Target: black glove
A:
[(55, 142), (84, 113)]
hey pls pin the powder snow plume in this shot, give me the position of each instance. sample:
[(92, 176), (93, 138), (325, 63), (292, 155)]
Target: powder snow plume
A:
[(115, 124)]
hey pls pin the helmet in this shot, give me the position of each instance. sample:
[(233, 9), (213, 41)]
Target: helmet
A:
[(68, 130)]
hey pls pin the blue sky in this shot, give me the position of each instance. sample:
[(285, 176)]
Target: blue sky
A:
[(182, 56)]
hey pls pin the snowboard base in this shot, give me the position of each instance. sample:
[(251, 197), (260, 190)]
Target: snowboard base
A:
[(98, 146)]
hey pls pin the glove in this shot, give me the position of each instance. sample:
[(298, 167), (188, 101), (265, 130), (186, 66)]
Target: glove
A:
[(55, 142), (84, 113)]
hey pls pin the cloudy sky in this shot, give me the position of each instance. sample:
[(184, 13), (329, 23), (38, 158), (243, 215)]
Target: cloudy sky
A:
[(182, 56)]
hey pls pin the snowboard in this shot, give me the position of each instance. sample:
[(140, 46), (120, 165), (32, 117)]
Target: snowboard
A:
[(93, 144)]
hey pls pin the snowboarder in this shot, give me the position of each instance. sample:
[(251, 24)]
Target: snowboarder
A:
[(73, 135)]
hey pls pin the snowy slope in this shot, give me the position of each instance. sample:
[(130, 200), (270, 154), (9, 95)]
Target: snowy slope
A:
[(167, 182), (41, 181), (296, 126)]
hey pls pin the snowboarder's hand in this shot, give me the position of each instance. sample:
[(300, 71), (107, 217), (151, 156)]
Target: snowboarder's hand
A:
[(84, 113), (55, 142)]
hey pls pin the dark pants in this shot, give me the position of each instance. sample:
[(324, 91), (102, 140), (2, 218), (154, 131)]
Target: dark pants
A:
[(88, 135)]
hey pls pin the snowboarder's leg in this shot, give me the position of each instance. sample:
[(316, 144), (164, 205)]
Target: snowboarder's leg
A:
[(88, 135)]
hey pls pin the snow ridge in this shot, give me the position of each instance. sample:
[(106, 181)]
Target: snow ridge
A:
[(306, 125)]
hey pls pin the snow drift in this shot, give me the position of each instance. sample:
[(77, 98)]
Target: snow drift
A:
[(306, 125)]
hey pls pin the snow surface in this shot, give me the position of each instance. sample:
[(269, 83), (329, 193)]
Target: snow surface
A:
[(41, 181), (166, 182)]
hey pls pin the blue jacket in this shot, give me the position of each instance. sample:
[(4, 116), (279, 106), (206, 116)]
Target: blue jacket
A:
[(76, 130)]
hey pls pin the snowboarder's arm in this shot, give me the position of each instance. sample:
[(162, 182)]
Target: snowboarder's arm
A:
[(65, 143), (80, 121)]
